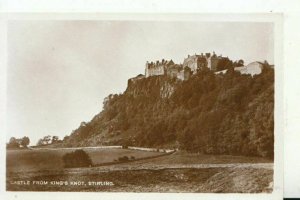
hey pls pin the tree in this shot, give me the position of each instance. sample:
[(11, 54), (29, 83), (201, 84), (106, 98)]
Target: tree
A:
[(13, 143), (78, 158), (17, 143), (55, 139), (66, 138), (47, 139), (40, 142), (44, 141), (241, 62), (25, 141)]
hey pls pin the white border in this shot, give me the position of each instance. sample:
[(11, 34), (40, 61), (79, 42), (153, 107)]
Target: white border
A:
[(278, 61)]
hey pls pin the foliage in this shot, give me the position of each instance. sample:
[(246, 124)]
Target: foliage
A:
[(55, 139), (18, 143), (213, 114), (78, 158), (46, 140), (25, 141), (123, 159), (13, 143)]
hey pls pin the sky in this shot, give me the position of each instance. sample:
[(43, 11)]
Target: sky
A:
[(59, 72)]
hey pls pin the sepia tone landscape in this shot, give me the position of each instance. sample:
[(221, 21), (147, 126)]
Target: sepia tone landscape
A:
[(207, 115), (204, 125)]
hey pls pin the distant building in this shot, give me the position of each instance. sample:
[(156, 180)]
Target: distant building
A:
[(194, 63), (173, 70), (157, 68), (210, 61), (184, 74), (253, 68)]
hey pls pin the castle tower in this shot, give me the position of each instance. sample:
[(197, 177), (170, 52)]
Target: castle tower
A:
[(147, 69)]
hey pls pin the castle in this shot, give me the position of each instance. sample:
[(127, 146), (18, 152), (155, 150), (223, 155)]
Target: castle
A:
[(208, 60), (192, 64), (168, 68)]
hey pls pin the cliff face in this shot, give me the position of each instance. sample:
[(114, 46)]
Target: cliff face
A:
[(153, 87), (218, 114)]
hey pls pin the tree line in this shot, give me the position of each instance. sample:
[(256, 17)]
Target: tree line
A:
[(18, 142), (15, 143)]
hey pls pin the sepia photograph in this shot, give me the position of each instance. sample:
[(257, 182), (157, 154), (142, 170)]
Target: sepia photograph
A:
[(148, 105)]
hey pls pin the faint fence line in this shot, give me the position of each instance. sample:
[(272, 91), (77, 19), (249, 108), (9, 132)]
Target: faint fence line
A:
[(137, 159)]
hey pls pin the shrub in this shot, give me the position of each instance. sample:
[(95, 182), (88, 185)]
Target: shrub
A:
[(78, 158), (123, 159), (132, 158)]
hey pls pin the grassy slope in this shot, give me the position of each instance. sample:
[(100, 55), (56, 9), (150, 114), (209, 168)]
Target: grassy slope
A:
[(237, 180), (152, 179), (35, 160)]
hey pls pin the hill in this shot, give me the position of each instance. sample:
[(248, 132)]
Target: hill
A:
[(214, 114)]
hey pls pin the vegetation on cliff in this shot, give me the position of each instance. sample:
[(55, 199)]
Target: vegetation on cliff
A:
[(215, 114)]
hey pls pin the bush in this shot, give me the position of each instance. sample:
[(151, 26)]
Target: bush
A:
[(132, 158), (78, 158), (123, 159)]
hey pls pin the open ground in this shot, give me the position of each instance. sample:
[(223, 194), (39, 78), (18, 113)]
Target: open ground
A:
[(42, 170)]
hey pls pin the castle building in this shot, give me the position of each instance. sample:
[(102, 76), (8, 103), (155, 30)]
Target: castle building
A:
[(190, 66), (184, 74), (168, 68), (157, 68), (194, 63), (210, 61), (173, 70)]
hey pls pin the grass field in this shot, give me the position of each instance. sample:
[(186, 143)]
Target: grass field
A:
[(177, 172), (216, 180), (45, 159)]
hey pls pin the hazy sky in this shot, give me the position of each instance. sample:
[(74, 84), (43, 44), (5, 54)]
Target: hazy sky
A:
[(60, 71)]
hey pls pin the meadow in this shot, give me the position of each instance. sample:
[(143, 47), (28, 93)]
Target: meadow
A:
[(51, 159), (42, 170)]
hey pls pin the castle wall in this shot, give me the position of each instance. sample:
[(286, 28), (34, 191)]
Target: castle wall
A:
[(213, 63), (173, 70), (184, 74), (154, 71), (191, 62), (195, 62), (180, 75)]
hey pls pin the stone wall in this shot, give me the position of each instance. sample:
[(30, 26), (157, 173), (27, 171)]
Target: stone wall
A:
[(157, 68), (191, 62)]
